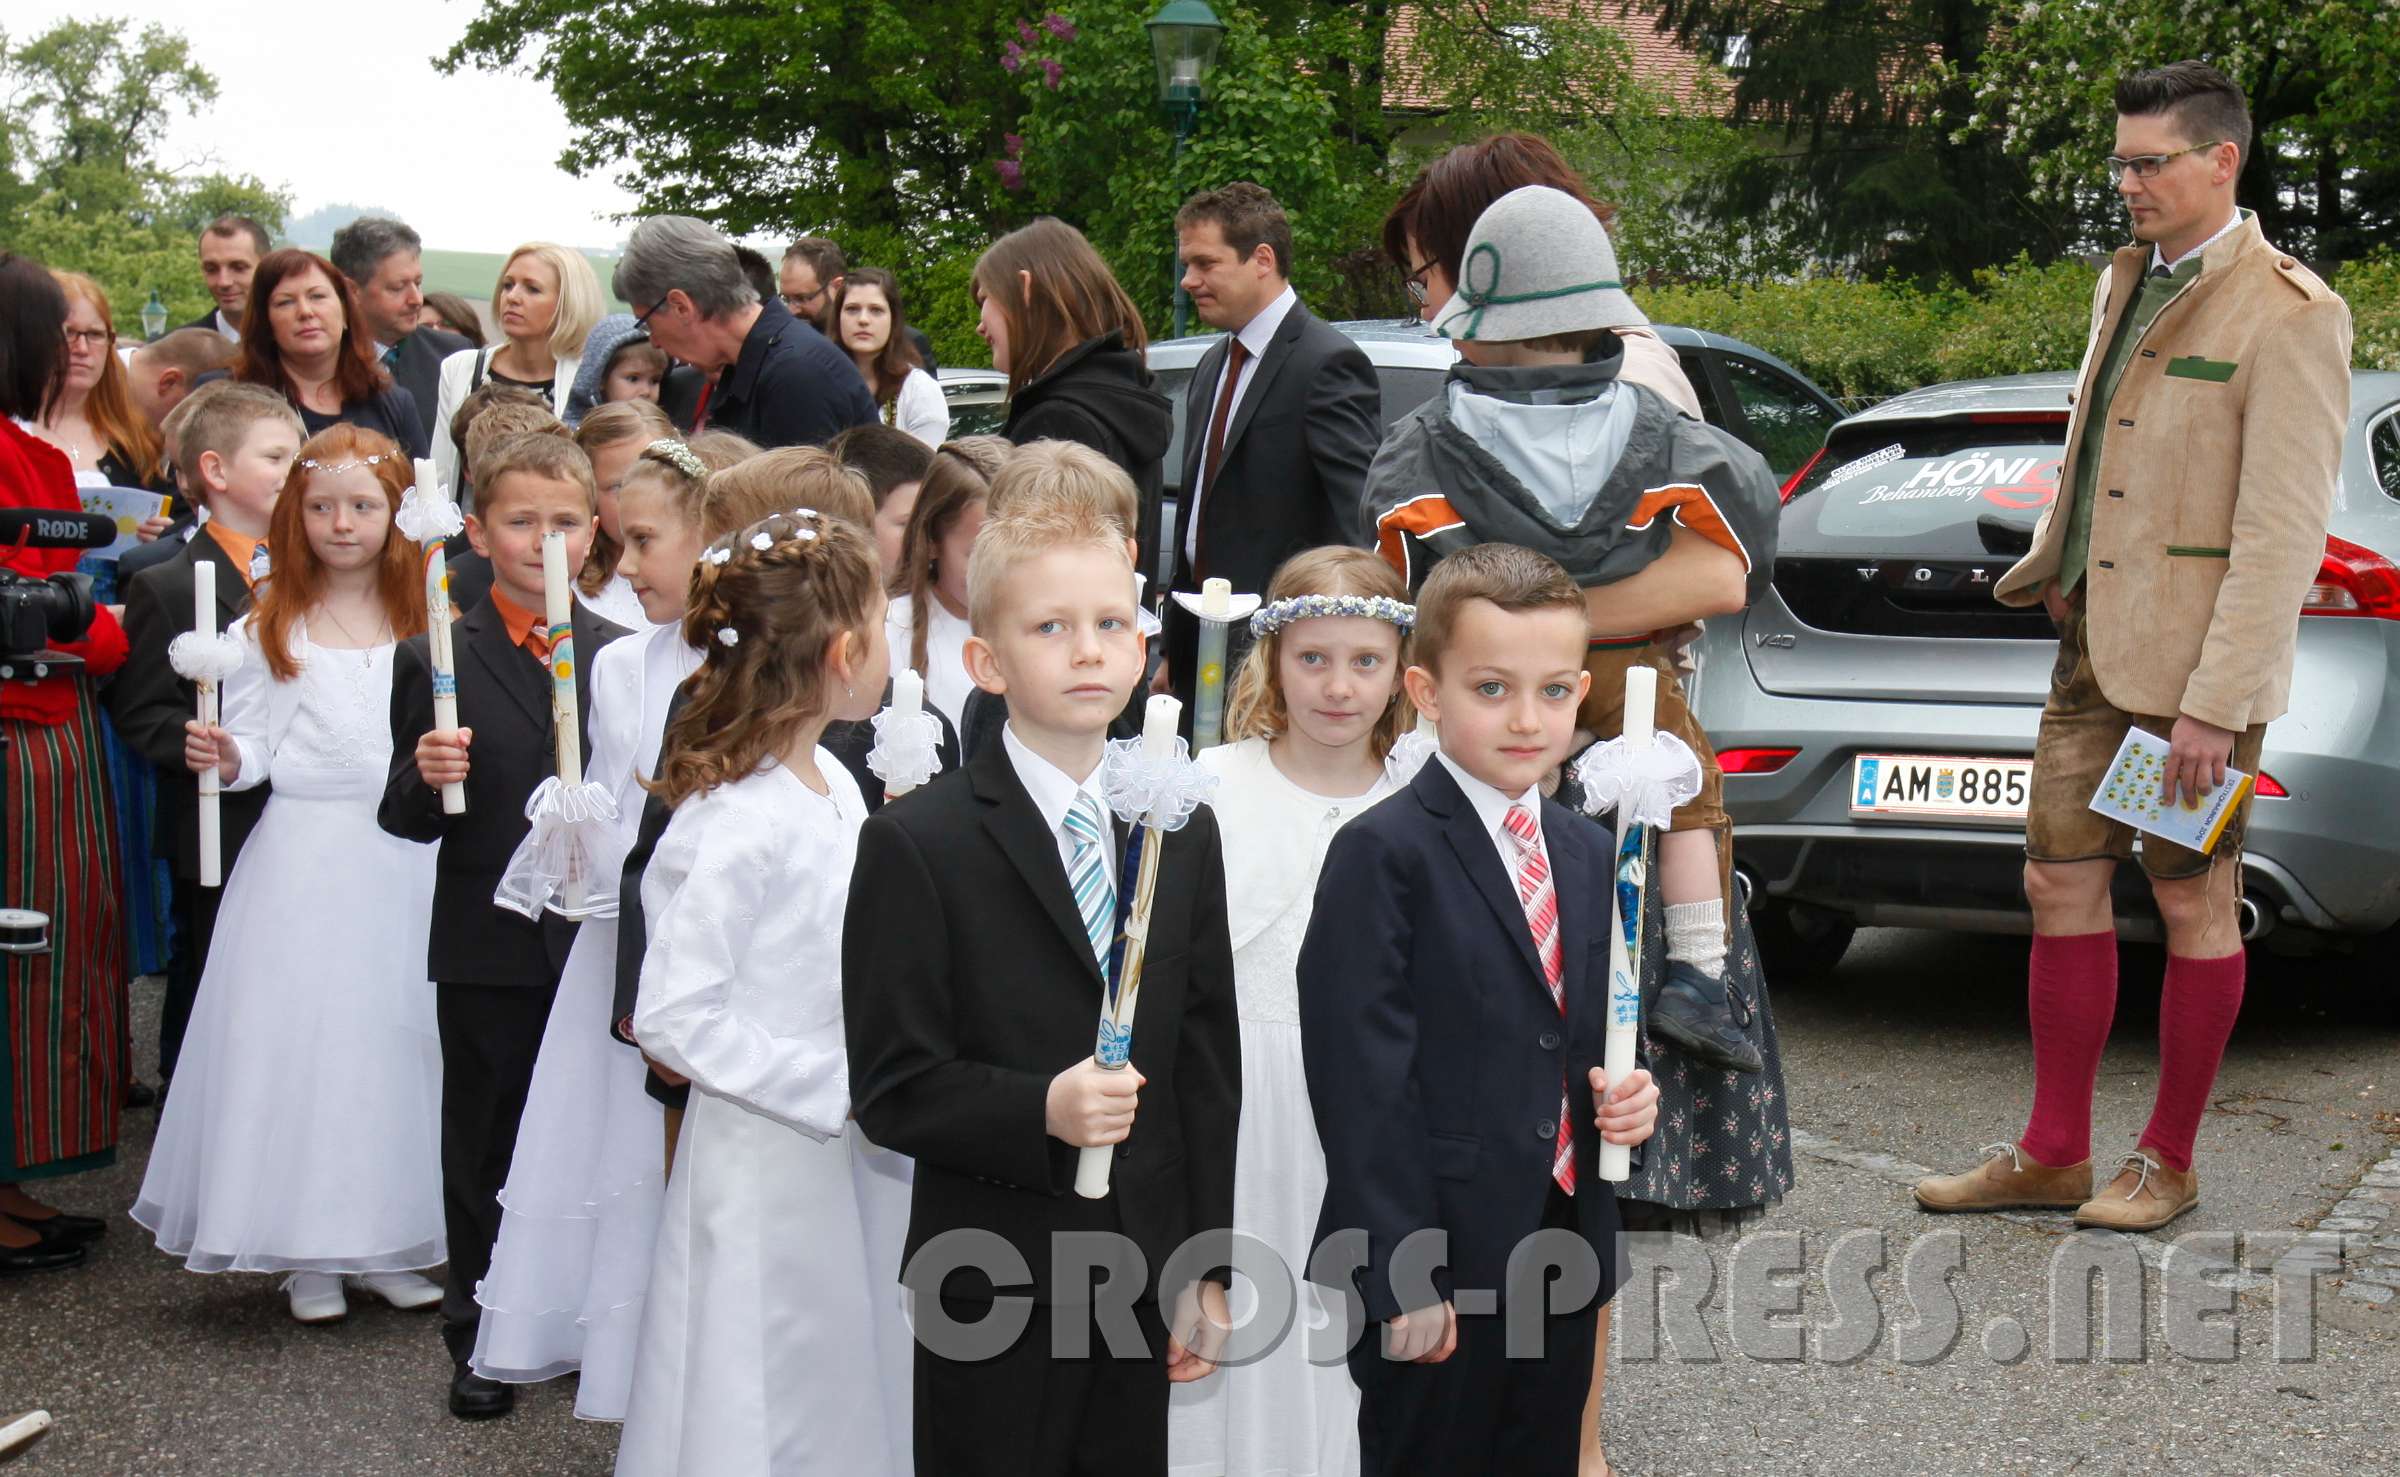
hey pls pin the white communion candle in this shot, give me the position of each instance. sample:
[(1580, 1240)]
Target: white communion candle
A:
[(1216, 598), (1625, 981), (559, 607), (204, 622), (1160, 718), (908, 693)]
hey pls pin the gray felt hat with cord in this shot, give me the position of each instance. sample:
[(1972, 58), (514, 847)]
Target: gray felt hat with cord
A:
[(1537, 264)]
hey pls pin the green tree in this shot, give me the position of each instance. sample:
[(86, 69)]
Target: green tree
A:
[(2323, 83), (1868, 177), (81, 187)]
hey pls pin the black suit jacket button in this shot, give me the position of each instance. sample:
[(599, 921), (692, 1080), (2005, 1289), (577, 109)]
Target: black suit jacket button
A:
[(1549, 1041), (1545, 1129), (1125, 1149)]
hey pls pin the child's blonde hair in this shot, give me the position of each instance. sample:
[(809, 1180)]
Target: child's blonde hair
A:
[(780, 481), (613, 425), (1255, 708), (785, 604), (1044, 528), (1050, 472)]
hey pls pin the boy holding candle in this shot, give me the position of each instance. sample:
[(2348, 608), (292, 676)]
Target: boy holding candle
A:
[(1452, 987), (983, 922), (235, 453), (494, 970)]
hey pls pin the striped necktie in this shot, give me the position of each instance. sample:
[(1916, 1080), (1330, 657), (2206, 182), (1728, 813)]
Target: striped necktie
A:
[(1539, 895), (1088, 878)]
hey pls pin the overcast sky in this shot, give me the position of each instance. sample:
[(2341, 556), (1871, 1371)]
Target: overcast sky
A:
[(470, 160)]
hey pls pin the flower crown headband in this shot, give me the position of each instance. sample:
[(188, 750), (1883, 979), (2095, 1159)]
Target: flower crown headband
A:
[(1274, 617), (311, 464), (677, 455), (763, 535)]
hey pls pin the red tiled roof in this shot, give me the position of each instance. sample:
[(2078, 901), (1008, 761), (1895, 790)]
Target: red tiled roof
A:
[(1658, 59)]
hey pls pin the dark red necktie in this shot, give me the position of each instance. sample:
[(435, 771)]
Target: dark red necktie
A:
[(1235, 357)]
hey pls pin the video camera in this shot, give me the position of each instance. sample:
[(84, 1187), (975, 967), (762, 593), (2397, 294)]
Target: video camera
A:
[(37, 613)]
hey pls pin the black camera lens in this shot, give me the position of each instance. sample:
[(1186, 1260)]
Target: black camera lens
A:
[(37, 613)]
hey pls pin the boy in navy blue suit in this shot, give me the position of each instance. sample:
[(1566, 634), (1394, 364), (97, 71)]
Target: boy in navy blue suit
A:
[(1451, 993)]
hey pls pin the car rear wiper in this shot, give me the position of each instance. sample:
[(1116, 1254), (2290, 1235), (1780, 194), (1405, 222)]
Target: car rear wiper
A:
[(2004, 535)]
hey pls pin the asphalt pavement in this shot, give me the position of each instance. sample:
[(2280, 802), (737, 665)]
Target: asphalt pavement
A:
[(1912, 1056)]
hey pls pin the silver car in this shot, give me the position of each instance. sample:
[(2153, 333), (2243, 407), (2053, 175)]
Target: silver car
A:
[(1875, 713)]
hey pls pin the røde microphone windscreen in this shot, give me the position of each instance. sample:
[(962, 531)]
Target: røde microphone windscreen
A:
[(47, 528)]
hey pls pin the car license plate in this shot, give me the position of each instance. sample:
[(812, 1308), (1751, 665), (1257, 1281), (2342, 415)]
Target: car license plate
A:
[(1952, 787)]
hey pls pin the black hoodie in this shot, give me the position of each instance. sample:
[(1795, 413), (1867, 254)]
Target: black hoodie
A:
[(1101, 395)]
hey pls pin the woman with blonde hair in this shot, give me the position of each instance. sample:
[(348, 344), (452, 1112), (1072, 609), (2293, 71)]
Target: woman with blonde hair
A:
[(1071, 343), (546, 304)]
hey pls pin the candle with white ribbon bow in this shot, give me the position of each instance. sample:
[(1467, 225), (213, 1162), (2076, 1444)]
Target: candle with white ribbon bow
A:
[(428, 517), (1152, 782)]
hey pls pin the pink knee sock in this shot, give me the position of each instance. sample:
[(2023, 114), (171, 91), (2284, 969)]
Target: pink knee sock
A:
[(2196, 1011), (2071, 992)]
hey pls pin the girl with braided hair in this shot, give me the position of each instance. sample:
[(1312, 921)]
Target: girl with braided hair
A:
[(775, 1337)]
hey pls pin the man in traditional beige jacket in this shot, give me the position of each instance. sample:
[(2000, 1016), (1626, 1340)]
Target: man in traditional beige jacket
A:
[(2190, 519)]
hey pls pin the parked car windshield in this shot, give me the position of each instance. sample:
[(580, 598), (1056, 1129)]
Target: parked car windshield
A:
[(1927, 489)]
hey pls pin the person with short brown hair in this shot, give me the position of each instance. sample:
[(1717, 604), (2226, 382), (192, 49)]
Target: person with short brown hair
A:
[(231, 248), (1281, 417), (161, 374), (2189, 522)]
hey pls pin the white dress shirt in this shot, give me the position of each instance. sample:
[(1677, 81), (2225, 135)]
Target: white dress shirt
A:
[(1491, 808), (1054, 791), (2158, 258), (1255, 335), (228, 327)]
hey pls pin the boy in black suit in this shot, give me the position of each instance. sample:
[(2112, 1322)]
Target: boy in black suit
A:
[(494, 971), (972, 969), (1452, 987), (235, 452)]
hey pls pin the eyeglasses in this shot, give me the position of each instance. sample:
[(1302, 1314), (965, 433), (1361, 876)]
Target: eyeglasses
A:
[(2147, 166), (1415, 283), (642, 323), (804, 302), (89, 338)]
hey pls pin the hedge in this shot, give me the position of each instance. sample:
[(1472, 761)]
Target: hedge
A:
[(1860, 341)]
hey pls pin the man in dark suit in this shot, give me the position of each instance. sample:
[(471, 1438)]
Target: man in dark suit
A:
[(1280, 419), (384, 260), (231, 247)]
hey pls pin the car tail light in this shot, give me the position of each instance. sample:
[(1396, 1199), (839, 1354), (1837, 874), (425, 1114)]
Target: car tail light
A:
[(2354, 580), (1754, 761), (1792, 483), (2266, 787)]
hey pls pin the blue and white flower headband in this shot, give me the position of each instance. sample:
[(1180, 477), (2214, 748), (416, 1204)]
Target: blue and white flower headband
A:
[(1274, 617)]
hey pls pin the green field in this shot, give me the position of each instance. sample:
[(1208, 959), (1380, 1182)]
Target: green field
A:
[(471, 274)]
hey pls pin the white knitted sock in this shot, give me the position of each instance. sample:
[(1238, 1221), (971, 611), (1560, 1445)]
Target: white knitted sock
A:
[(1696, 935)]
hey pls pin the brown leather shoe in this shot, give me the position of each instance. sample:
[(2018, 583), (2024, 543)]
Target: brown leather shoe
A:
[(2008, 1179), (2144, 1196)]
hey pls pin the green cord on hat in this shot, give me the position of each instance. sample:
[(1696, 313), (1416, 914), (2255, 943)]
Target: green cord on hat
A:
[(1480, 298)]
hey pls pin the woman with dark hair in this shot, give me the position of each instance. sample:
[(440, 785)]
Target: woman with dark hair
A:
[(1426, 234), (299, 338), (60, 1044), (1071, 342), (453, 314), (873, 327)]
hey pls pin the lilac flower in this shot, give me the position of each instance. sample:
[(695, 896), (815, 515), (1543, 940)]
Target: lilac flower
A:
[(1059, 26), (1012, 56), (1051, 72), (1014, 143), (1012, 174), (1027, 34)]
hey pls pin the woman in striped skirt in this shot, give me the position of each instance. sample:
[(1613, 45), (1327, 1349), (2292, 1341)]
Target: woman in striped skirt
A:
[(59, 1023)]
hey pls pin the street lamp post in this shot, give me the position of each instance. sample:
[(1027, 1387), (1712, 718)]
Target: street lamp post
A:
[(1184, 37), (154, 316)]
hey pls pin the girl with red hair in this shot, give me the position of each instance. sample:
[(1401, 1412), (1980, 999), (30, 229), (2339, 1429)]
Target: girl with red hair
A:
[(303, 1132)]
